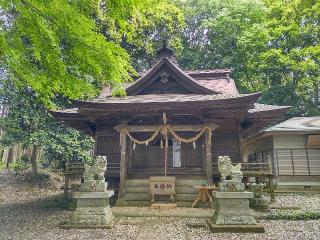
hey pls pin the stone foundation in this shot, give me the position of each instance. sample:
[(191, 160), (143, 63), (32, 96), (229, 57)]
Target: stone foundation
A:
[(93, 209), (233, 208)]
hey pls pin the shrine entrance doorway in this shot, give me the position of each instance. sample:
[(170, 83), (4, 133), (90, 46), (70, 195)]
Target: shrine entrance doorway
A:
[(182, 157)]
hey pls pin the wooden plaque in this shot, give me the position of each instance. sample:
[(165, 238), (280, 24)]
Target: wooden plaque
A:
[(161, 185)]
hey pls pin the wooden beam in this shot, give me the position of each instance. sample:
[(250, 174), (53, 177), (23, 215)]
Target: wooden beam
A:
[(208, 157), (123, 167), (178, 128)]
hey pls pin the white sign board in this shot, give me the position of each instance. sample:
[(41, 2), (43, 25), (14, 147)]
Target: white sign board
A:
[(176, 158)]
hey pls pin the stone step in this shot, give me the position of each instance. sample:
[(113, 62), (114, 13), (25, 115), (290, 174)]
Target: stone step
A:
[(137, 191), (146, 189), (179, 182), (148, 203), (137, 183), (147, 197)]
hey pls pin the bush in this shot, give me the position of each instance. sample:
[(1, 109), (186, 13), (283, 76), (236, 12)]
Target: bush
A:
[(20, 164)]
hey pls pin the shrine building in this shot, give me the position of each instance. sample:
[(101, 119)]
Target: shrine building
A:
[(170, 123)]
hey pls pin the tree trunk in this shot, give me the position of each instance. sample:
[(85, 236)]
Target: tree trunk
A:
[(9, 157), (34, 159), (1, 155)]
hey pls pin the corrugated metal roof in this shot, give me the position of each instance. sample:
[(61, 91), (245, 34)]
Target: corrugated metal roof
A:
[(297, 124)]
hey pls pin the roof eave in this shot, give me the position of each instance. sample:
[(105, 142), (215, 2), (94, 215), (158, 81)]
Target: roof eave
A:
[(247, 100)]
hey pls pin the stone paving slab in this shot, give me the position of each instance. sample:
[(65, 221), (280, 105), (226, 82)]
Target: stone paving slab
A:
[(176, 212)]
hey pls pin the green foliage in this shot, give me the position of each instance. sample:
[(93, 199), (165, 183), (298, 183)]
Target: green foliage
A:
[(29, 123), (55, 47), (53, 51), (74, 47), (20, 164), (272, 46), (295, 215), (159, 20)]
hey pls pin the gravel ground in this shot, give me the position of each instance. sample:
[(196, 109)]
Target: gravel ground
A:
[(302, 201), (22, 217)]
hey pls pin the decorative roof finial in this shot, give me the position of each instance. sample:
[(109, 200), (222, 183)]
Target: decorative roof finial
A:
[(164, 43), (165, 52)]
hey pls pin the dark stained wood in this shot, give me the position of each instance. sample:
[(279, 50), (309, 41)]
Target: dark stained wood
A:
[(165, 65), (150, 159), (226, 144), (159, 87)]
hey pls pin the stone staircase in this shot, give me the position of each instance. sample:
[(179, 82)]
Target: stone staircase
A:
[(137, 192)]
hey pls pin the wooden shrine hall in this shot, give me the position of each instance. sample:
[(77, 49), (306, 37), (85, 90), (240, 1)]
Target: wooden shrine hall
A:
[(171, 123)]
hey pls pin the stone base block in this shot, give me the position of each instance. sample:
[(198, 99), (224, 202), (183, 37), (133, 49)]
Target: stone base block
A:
[(91, 216), (94, 186), (232, 208), (231, 186), (93, 211), (217, 228)]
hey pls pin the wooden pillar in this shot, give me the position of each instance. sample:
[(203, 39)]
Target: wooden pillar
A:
[(123, 167), (208, 140)]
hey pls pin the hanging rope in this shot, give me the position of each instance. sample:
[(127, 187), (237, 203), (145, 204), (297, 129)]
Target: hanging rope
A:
[(190, 140), (154, 135), (164, 129)]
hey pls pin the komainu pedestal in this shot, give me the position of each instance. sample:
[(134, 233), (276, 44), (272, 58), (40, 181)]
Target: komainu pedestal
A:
[(93, 208), (233, 208), (232, 212)]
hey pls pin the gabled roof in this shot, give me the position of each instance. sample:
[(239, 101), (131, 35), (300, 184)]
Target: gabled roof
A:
[(180, 76), (297, 124)]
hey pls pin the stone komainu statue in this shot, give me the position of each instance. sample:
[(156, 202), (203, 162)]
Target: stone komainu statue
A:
[(226, 169), (97, 169)]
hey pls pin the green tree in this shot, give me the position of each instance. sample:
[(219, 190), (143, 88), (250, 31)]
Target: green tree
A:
[(53, 51), (29, 124), (272, 47), (72, 48)]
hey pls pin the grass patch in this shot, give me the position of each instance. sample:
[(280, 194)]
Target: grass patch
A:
[(286, 207), (295, 216)]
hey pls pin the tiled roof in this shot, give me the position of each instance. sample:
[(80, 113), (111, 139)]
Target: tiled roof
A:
[(297, 124), (167, 98), (220, 85), (209, 71), (264, 107)]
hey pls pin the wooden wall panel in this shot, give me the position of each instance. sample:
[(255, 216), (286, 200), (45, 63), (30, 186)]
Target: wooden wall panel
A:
[(109, 146), (226, 144)]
